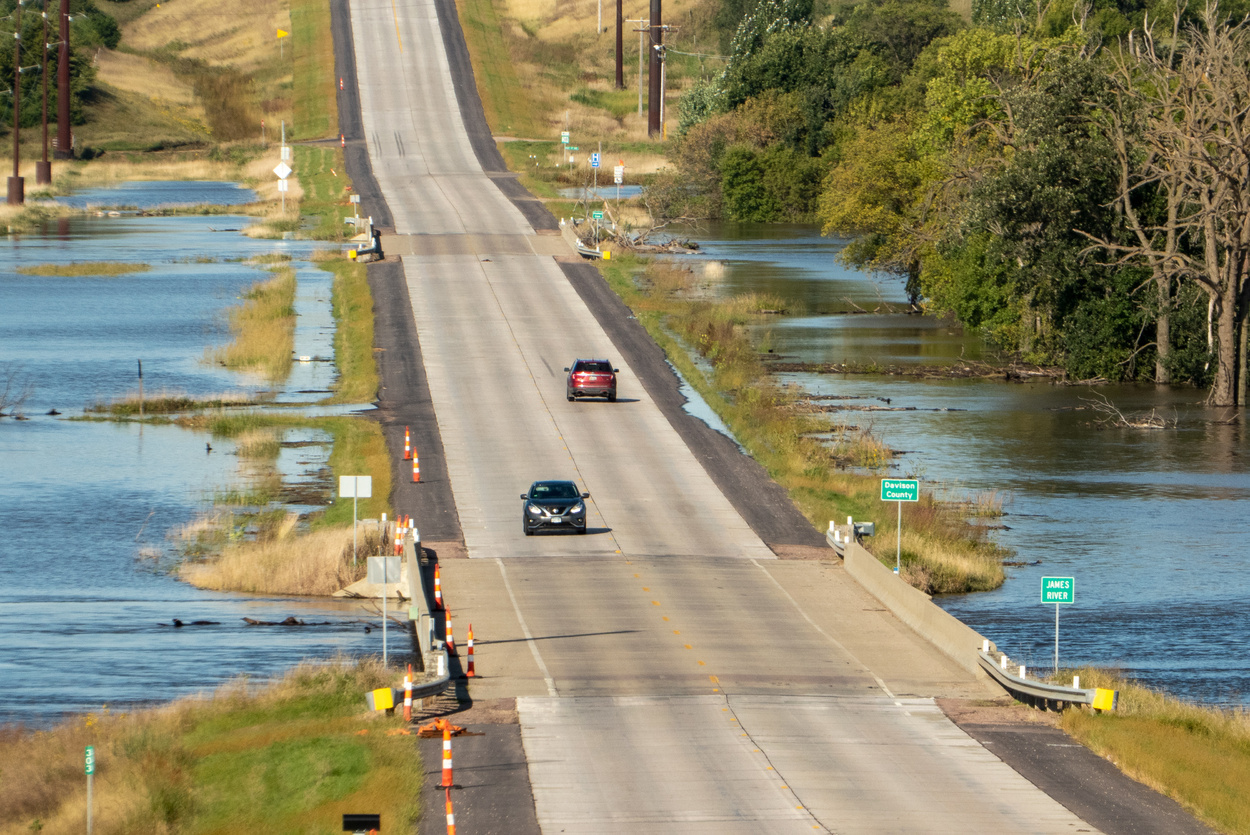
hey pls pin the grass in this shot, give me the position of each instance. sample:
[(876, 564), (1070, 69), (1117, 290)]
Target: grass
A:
[(353, 335), (941, 552), (309, 564), (165, 402), (314, 105), (268, 550), (1199, 756), (508, 103), (80, 268), (263, 329), (288, 756)]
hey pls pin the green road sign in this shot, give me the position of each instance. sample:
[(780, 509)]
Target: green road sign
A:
[(900, 490), (597, 215), (90, 759), (1058, 590), (574, 148)]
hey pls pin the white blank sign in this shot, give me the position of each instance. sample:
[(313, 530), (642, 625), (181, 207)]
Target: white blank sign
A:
[(383, 570), (355, 486)]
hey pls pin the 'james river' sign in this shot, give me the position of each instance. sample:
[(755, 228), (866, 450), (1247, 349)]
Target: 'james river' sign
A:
[(900, 490), (1058, 590)]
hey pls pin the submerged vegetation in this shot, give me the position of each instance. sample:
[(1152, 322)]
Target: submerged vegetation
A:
[(263, 329), (80, 268), (829, 469), (288, 756)]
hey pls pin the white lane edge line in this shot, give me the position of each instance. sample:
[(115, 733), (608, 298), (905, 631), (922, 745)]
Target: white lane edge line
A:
[(525, 630), (816, 626)]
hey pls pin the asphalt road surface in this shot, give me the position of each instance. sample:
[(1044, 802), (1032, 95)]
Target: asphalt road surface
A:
[(667, 672)]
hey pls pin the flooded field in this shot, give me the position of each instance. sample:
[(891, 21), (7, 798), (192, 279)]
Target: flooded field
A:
[(1152, 524), (87, 603)]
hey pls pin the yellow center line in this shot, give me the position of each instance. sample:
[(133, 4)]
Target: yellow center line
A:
[(398, 36)]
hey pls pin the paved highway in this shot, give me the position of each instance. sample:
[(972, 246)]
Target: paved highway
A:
[(670, 673)]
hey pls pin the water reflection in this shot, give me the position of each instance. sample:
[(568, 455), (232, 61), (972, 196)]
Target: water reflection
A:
[(86, 506), (1151, 523)]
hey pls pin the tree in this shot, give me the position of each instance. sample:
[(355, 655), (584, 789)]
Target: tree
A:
[(1194, 96)]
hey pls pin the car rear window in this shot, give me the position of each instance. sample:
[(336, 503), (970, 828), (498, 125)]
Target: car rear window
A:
[(603, 367), (554, 490)]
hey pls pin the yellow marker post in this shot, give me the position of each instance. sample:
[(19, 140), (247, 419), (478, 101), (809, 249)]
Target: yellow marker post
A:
[(1106, 699), (381, 699), (282, 33)]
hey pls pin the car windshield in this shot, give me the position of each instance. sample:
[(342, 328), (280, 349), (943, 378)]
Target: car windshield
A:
[(554, 490), (594, 365)]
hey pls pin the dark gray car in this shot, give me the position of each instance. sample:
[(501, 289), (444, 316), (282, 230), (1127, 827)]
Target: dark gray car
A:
[(554, 505)]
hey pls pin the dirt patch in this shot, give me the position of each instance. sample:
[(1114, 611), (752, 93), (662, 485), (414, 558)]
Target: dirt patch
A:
[(486, 712), (805, 552), (445, 551), (1004, 711)]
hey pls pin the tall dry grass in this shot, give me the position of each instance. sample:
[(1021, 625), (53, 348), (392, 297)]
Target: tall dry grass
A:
[(263, 329), (942, 553), (1198, 755), (175, 768), (315, 563)]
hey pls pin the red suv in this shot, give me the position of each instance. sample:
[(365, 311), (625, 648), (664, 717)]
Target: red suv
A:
[(591, 378)]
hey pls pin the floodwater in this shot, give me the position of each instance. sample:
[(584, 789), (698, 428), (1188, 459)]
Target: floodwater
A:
[(1154, 525), (86, 597)]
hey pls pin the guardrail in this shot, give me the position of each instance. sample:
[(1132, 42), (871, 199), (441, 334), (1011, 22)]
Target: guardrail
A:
[(433, 652), (949, 634), (1049, 695)]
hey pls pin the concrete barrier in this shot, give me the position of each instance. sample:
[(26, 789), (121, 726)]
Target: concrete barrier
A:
[(913, 607)]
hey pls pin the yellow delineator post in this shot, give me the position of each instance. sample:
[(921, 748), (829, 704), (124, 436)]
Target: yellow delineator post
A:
[(282, 33)]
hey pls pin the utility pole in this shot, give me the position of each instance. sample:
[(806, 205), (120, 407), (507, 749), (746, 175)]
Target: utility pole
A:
[(642, 50), (43, 168), (657, 42), (620, 60), (64, 138), (17, 185)]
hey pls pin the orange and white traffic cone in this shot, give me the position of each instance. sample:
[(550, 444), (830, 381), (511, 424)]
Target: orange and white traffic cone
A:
[(438, 589), (340, 82), (342, 141), (416, 467), (451, 642), (447, 773), (407, 444), (400, 531), (408, 692), (451, 816), (469, 673)]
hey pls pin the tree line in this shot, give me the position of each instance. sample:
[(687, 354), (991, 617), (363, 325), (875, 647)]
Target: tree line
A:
[(90, 29), (1069, 178)]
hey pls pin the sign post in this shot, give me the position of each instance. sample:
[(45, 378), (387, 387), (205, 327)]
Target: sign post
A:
[(1058, 590), (899, 490), (355, 487), (383, 570), (89, 768)]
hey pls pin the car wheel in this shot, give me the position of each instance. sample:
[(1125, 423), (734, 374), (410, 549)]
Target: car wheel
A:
[(526, 529), (582, 531), (612, 397), (569, 395)]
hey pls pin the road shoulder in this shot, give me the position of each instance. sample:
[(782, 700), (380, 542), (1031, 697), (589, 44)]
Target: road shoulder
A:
[(1089, 786)]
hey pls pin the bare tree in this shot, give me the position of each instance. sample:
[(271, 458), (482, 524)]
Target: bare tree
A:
[(1192, 94)]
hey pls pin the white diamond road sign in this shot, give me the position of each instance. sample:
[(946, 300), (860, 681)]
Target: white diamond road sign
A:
[(283, 171)]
